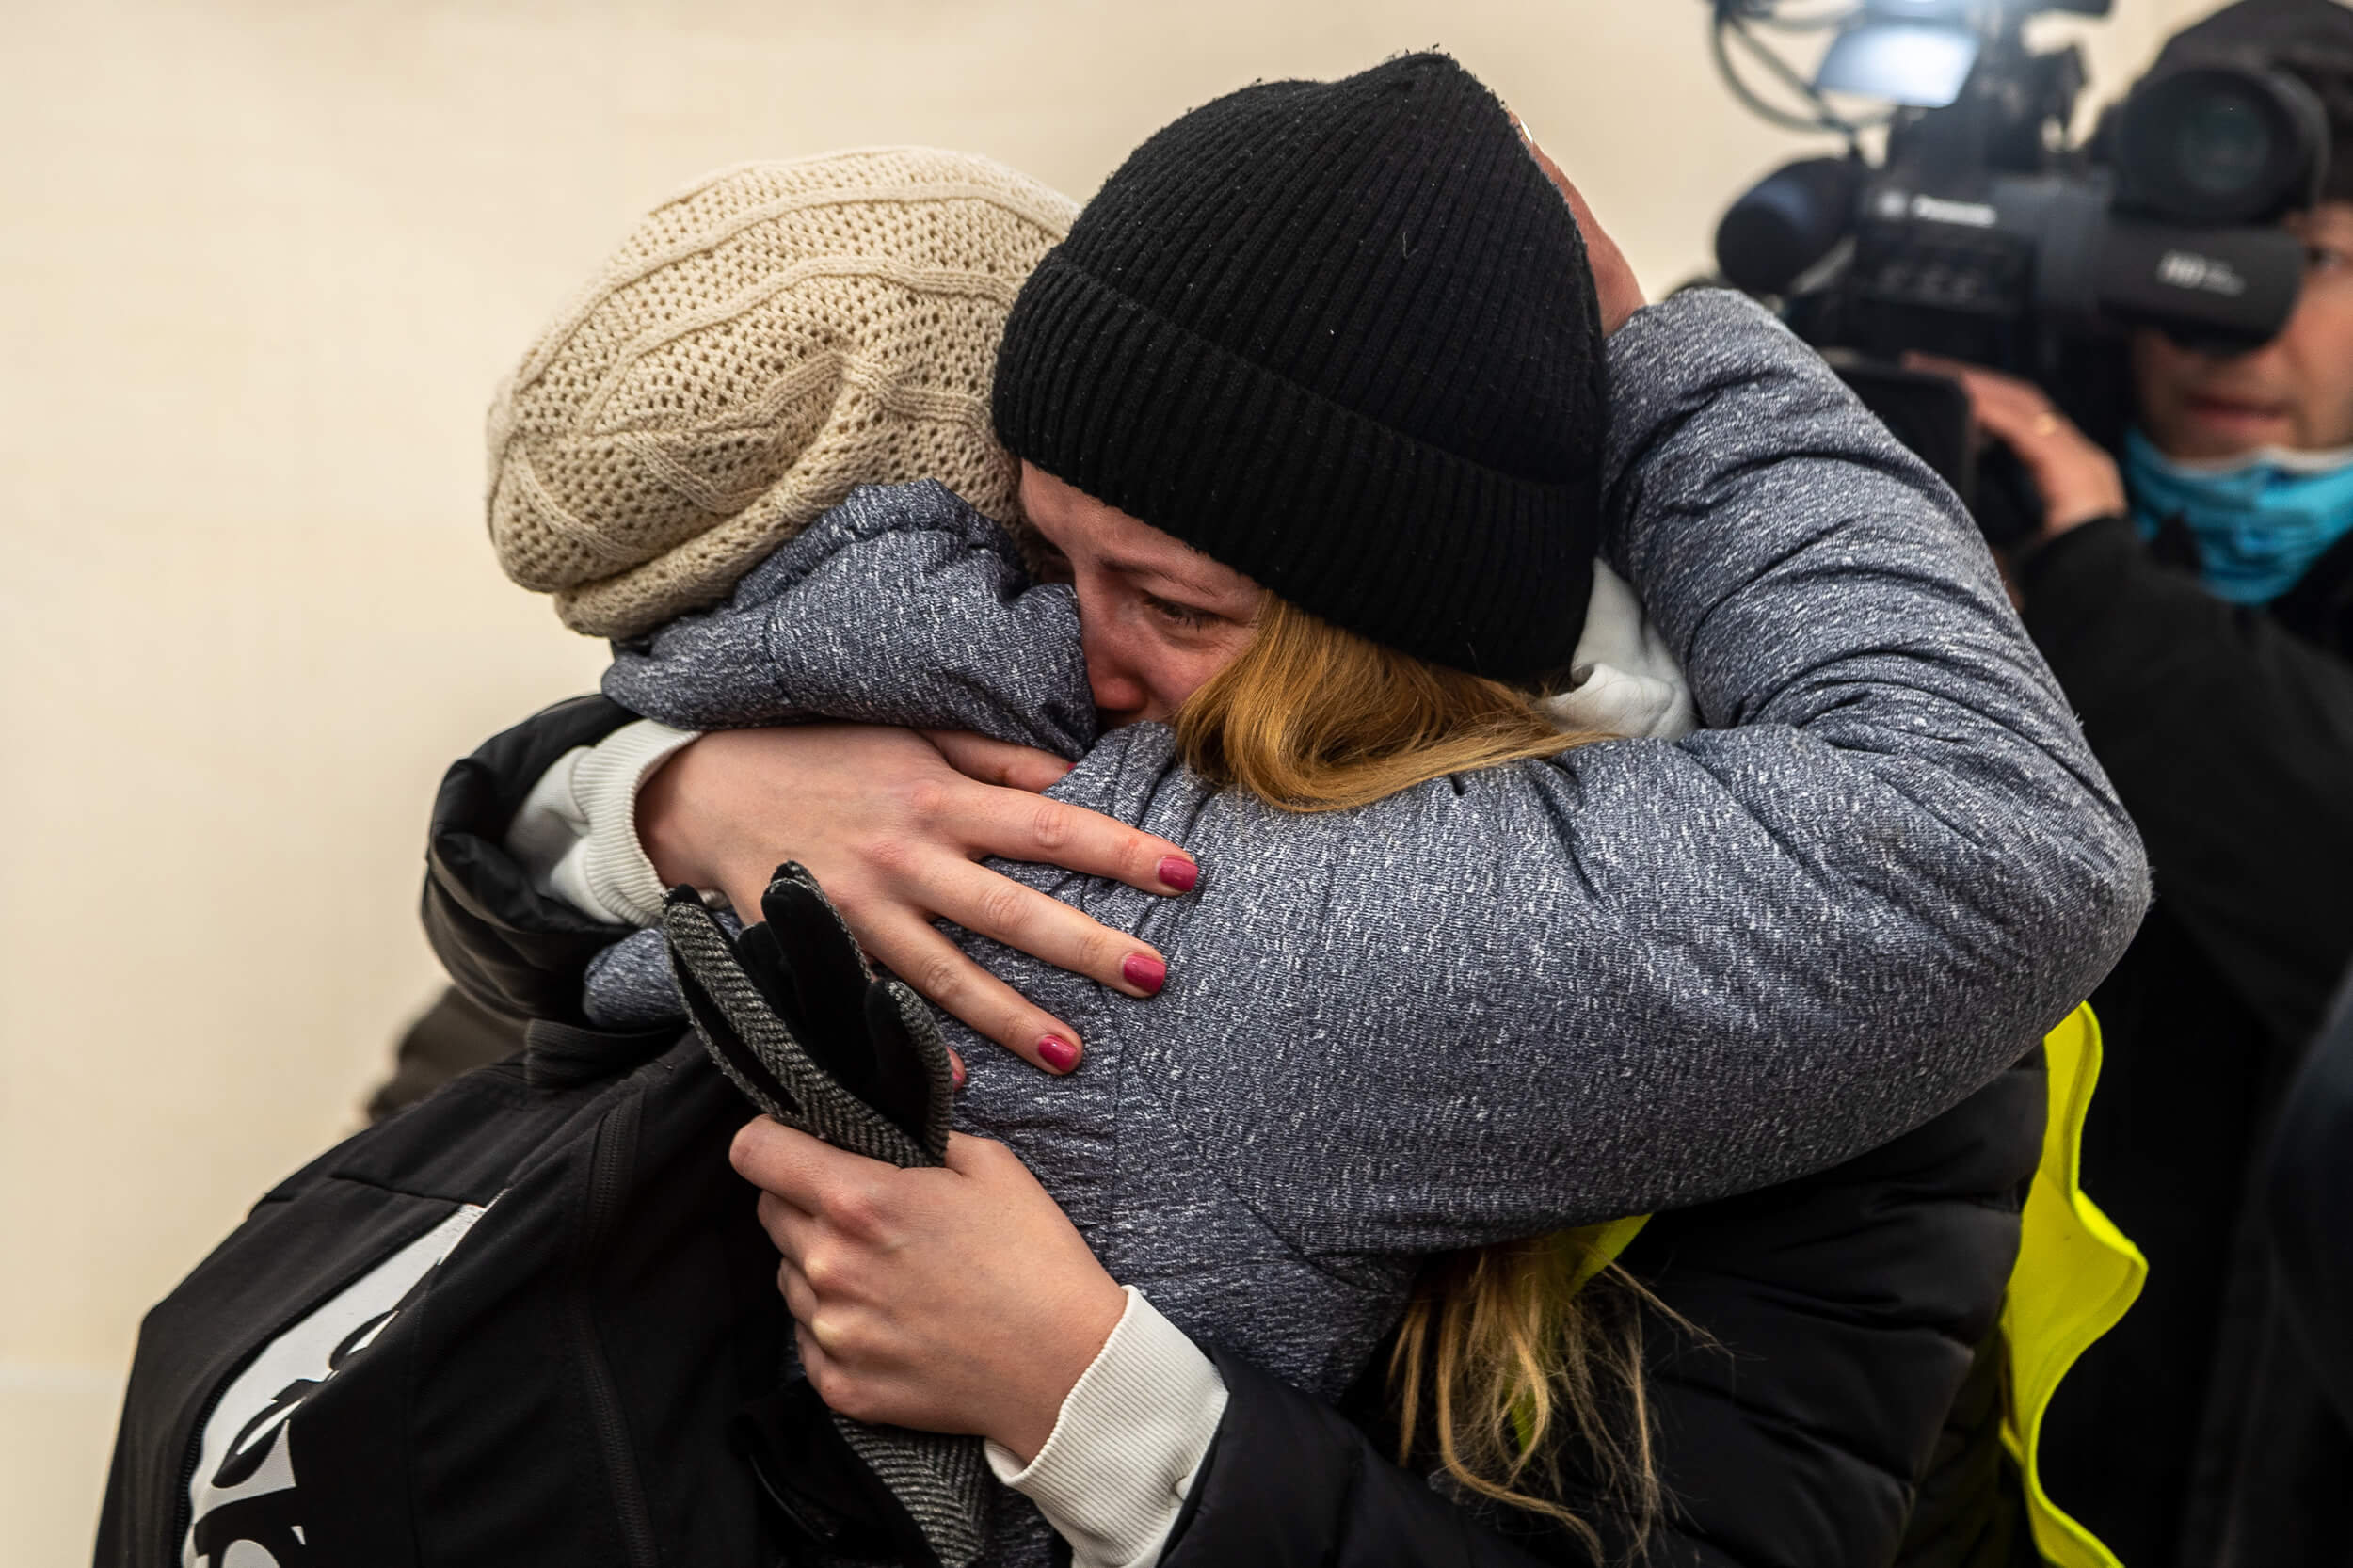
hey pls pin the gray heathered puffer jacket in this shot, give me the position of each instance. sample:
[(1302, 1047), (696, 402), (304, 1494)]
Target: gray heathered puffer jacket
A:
[(1638, 975)]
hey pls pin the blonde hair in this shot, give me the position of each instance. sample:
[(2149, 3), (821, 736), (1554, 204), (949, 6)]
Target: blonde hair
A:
[(1500, 1346), (1312, 718), (1506, 1345)]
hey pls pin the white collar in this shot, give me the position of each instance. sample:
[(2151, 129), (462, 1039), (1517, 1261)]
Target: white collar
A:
[(1627, 683)]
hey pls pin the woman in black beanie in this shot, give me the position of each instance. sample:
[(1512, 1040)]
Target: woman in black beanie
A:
[(1342, 337)]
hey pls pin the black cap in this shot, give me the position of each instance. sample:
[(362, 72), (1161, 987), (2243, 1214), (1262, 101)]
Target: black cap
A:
[(1342, 337)]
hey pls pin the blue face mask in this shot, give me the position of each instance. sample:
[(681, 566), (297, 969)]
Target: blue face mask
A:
[(2260, 521)]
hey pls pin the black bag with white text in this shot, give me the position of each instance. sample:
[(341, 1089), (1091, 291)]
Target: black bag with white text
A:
[(531, 1318), (511, 1324)]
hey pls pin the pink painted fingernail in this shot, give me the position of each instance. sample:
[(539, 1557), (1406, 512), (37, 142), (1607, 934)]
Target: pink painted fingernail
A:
[(1179, 872), (1145, 974), (1059, 1053), (956, 1074)]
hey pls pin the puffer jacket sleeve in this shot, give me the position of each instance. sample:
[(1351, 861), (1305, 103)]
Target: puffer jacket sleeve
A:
[(509, 947), (1872, 703), (903, 605)]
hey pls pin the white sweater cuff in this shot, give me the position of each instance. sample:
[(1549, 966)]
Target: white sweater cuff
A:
[(1113, 1474), (576, 834)]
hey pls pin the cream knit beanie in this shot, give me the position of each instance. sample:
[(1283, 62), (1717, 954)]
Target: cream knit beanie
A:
[(762, 344)]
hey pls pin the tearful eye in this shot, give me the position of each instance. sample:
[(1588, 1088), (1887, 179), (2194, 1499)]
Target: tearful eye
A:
[(1176, 613)]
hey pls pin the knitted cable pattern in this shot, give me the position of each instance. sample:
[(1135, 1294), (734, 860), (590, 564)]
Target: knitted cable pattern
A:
[(761, 343)]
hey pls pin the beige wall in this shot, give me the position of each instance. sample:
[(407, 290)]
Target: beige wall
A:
[(260, 266)]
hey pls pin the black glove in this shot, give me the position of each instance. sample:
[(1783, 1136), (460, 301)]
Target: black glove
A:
[(792, 1013)]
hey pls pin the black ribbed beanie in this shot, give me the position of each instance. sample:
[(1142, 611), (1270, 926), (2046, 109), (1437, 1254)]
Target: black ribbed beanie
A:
[(1341, 336)]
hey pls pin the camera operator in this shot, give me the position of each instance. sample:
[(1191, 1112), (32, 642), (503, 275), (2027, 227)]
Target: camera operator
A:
[(2192, 588)]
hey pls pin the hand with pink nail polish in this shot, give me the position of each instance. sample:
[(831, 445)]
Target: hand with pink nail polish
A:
[(1144, 973), (893, 824)]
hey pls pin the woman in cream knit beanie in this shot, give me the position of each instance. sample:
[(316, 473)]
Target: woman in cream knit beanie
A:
[(760, 346)]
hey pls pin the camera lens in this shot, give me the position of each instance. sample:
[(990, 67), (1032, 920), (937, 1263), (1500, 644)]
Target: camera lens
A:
[(2223, 146), (2219, 143)]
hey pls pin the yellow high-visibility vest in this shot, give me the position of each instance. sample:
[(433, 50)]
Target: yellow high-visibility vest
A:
[(2076, 1276)]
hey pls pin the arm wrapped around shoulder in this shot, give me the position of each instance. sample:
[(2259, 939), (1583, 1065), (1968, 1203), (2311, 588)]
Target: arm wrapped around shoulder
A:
[(903, 605), (1809, 572)]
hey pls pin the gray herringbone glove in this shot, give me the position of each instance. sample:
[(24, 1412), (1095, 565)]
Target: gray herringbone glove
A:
[(794, 1013)]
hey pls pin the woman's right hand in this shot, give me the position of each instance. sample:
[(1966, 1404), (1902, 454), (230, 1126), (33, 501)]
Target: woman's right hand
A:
[(956, 1298), (892, 821)]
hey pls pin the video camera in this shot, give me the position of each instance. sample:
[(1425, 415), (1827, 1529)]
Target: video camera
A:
[(1983, 234)]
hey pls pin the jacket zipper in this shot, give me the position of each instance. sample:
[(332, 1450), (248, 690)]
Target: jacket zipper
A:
[(183, 1510), (616, 1149)]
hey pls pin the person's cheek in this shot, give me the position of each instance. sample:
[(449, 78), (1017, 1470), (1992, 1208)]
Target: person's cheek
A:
[(1194, 663), (1161, 676), (1159, 670), (2161, 374), (1204, 666), (2148, 384), (2328, 367)]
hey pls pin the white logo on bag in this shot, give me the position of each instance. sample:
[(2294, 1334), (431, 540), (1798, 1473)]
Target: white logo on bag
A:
[(245, 1509)]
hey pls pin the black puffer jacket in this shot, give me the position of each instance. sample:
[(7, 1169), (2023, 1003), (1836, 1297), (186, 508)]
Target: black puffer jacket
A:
[(1828, 1416), (1837, 1309), (2308, 1206), (2196, 1434)]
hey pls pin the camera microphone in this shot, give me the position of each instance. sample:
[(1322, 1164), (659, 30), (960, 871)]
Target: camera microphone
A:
[(1786, 222)]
